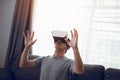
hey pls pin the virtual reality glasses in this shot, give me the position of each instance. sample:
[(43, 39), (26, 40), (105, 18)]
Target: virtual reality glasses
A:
[(59, 35)]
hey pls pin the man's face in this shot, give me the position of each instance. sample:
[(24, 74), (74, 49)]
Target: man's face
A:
[(61, 40), (60, 45)]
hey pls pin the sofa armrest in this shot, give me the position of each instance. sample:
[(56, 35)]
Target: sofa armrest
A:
[(112, 74), (5, 74), (92, 72), (26, 73)]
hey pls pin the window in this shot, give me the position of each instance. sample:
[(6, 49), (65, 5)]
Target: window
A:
[(97, 22), (103, 45), (58, 15)]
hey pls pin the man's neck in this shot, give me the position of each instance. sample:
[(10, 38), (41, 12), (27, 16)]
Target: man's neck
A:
[(59, 54)]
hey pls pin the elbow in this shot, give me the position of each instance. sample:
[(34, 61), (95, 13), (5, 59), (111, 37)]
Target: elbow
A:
[(81, 71), (21, 66)]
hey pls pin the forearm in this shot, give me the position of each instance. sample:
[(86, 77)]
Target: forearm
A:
[(24, 57), (78, 67)]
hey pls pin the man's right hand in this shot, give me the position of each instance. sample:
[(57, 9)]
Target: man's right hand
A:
[(29, 39)]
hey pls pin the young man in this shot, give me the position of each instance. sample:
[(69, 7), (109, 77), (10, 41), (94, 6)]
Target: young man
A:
[(56, 67)]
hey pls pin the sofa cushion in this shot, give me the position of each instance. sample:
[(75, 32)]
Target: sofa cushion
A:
[(26, 74), (92, 72), (112, 74), (5, 74)]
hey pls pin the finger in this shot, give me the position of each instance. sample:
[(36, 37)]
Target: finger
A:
[(71, 34), (24, 35), (27, 33), (75, 33), (32, 34), (34, 41), (67, 40)]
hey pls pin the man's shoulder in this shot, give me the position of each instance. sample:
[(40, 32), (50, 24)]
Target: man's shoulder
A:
[(68, 60)]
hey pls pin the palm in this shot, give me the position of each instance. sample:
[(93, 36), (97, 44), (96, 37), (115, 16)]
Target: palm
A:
[(28, 41), (29, 38), (73, 42), (74, 39)]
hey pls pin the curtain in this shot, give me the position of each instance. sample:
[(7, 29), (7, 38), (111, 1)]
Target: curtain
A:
[(21, 23), (103, 44)]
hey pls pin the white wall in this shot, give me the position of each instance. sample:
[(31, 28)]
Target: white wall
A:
[(6, 15)]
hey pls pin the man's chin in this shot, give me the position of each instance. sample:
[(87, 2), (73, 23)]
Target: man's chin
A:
[(60, 47)]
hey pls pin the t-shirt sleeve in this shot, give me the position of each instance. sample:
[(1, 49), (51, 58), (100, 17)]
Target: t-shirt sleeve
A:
[(71, 67), (38, 61), (71, 63)]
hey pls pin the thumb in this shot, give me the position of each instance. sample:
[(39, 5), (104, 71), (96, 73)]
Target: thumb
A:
[(67, 40), (34, 41)]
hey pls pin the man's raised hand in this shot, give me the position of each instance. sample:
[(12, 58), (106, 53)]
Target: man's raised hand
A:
[(74, 39), (29, 38)]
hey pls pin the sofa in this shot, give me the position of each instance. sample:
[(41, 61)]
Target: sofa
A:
[(92, 72)]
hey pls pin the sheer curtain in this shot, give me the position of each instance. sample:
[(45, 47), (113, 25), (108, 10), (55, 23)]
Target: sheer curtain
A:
[(103, 44), (65, 15), (97, 22)]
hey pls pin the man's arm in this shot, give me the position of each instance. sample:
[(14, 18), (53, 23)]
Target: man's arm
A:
[(24, 62), (78, 67)]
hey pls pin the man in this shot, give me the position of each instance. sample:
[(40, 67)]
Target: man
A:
[(56, 67)]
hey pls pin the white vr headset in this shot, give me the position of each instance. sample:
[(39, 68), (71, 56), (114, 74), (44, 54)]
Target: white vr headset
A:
[(59, 35)]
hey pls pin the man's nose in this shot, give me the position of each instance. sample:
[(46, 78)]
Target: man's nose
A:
[(59, 40)]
